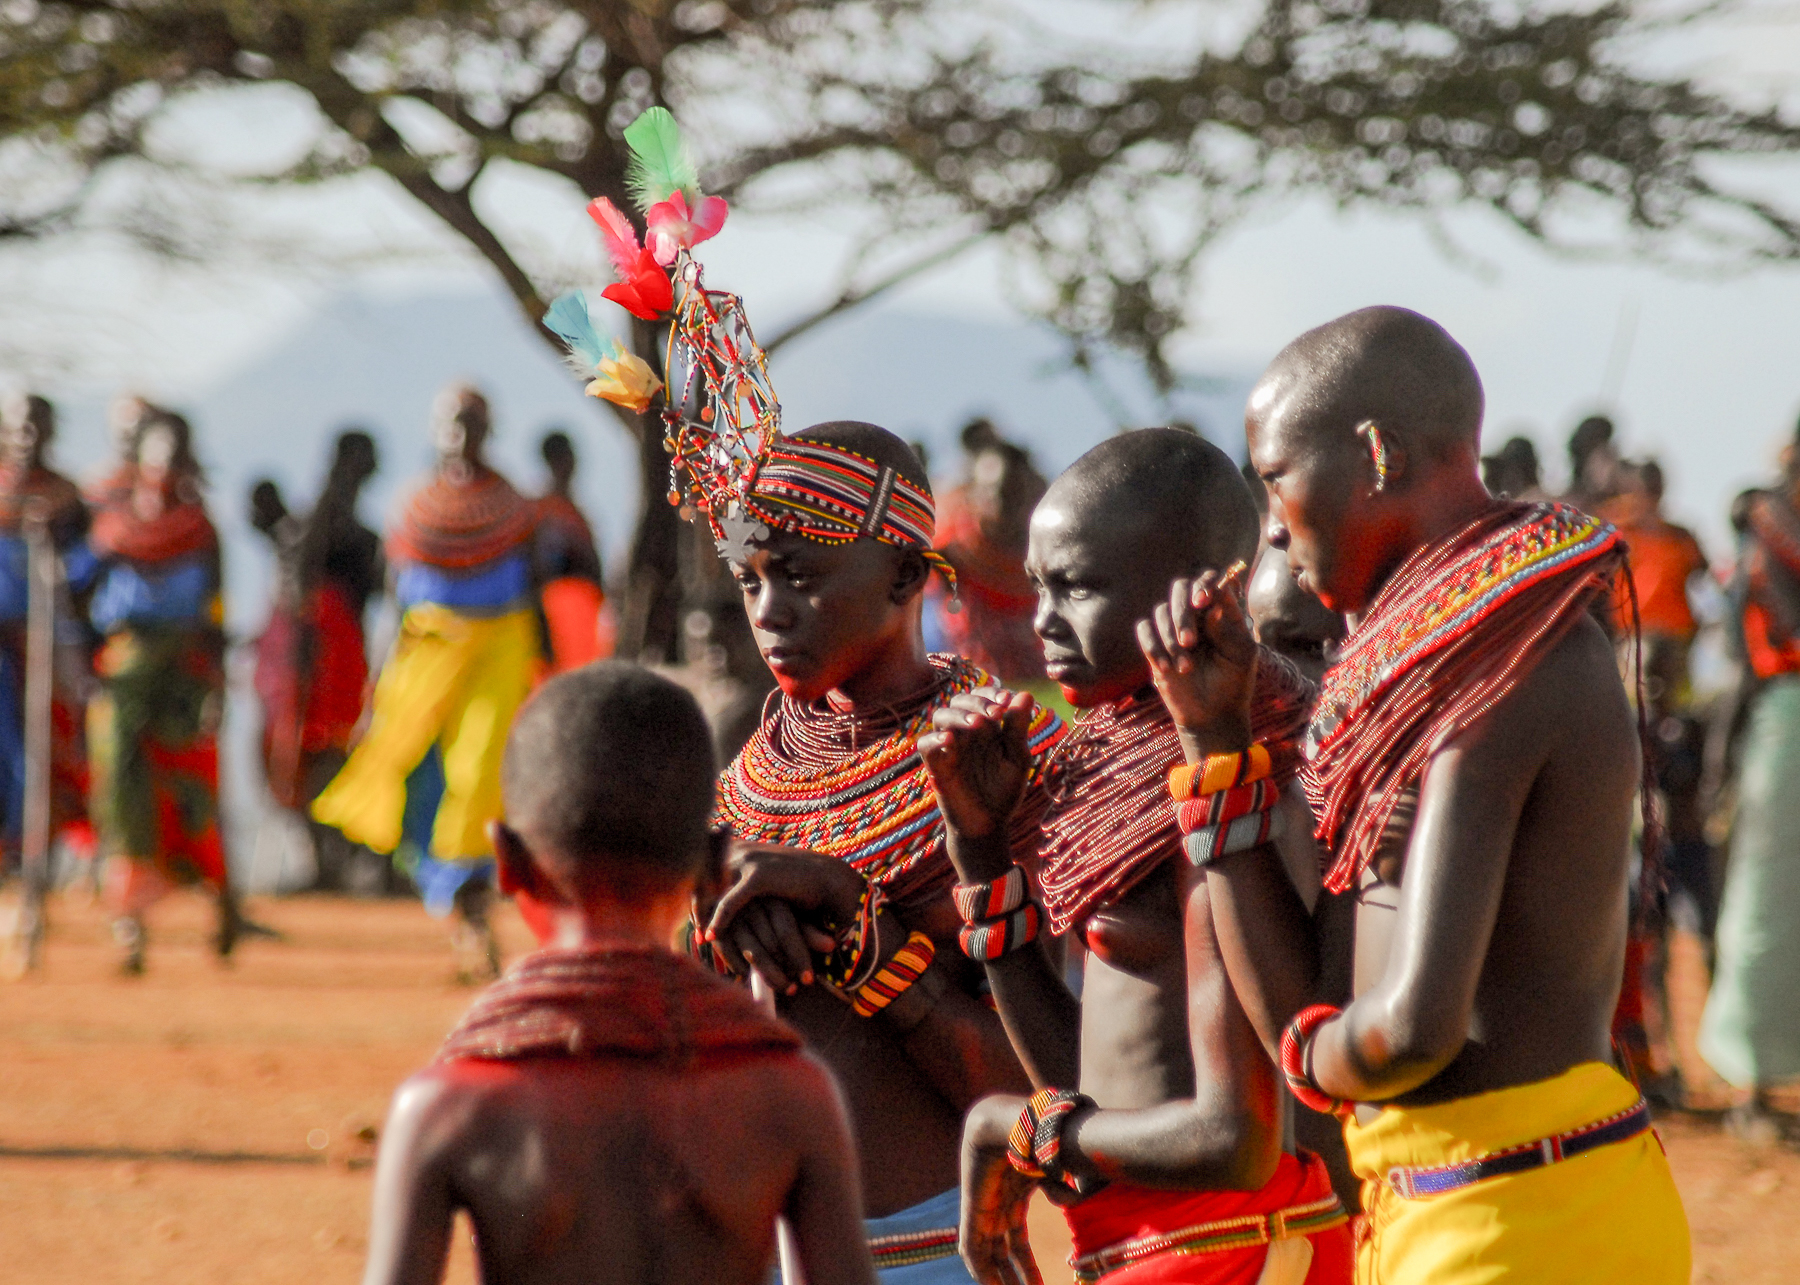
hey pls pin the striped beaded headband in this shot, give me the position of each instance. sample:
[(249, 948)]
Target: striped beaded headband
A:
[(828, 493)]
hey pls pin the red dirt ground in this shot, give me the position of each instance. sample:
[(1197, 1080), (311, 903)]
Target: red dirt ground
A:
[(200, 1124)]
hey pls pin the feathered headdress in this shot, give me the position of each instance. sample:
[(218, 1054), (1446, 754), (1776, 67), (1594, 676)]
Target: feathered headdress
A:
[(722, 422)]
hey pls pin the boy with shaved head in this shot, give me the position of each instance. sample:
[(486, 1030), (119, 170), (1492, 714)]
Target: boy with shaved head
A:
[(1472, 765), (842, 897), (609, 1112), (1157, 1118)]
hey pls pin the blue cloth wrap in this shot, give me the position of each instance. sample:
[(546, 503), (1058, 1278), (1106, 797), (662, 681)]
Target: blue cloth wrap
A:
[(942, 1210), (177, 591), (490, 588)]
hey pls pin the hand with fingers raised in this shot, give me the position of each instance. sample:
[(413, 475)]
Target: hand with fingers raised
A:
[(995, 1244), (978, 756), (1203, 656), (772, 914)]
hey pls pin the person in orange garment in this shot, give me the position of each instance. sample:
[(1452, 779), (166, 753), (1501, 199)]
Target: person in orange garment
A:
[(1664, 560), (572, 590), (609, 1113)]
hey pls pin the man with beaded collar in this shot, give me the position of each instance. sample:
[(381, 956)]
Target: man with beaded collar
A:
[(841, 892), (1471, 762), (1169, 1160)]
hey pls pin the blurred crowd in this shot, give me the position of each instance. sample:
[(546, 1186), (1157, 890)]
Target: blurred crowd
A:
[(386, 770)]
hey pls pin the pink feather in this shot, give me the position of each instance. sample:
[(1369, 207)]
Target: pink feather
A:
[(670, 226), (620, 237)]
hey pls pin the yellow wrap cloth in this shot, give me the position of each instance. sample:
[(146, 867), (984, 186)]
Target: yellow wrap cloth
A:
[(454, 680), (1611, 1214)]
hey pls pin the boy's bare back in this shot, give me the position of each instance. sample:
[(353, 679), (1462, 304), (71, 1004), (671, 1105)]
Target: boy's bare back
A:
[(599, 1170)]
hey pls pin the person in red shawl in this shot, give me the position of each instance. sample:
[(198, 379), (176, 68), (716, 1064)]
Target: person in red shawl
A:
[(153, 726), (464, 660), (573, 592), (1157, 1121), (28, 484), (609, 1112), (1472, 764), (840, 843), (984, 535), (311, 659)]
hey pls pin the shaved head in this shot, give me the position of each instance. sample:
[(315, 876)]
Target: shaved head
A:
[(1389, 366), (1111, 535), (1366, 432), (1165, 481), (609, 772)]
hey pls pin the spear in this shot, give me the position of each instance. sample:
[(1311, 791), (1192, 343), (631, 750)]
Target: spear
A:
[(787, 1253)]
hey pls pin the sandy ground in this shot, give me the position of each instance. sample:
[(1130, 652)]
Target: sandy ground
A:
[(206, 1124)]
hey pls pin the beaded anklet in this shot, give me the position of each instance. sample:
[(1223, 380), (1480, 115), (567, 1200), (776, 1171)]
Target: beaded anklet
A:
[(895, 977), (986, 940), (1034, 1147), (1296, 1059)]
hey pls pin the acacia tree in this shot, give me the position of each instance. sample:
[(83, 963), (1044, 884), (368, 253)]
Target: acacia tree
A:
[(1103, 167)]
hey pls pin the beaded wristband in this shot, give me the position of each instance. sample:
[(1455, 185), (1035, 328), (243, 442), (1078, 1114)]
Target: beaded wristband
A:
[(1210, 842), (1034, 1147), (896, 976), (993, 939), (1220, 772), (977, 901), (1296, 1044), (1226, 805), (854, 956)]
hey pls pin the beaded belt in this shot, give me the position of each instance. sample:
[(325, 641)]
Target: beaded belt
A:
[(1243, 1232), (903, 1249), (1411, 1184)]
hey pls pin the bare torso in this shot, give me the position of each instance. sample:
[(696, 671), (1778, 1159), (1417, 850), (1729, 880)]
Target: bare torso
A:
[(1550, 975), (600, 1170)]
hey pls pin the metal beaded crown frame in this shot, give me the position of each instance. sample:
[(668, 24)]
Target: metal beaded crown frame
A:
[(720, 416)]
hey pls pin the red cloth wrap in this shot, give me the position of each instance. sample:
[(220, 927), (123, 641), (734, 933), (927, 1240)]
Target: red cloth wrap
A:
[(1451, 633), (178, 529), (610, 1002), (1109, 821), (310, 675), (457, 525), (1121, 1211)]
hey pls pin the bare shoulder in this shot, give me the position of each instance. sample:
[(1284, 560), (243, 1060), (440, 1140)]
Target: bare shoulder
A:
[(434, 1105), (1572, 697)]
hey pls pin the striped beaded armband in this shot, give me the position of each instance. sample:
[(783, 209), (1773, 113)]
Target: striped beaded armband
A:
[(851, 962), (1034, 1147), (1210, 842), (1226, 805), (1296, 1045), (1220, 772), (991, 939), (894, 978), (977, 901)]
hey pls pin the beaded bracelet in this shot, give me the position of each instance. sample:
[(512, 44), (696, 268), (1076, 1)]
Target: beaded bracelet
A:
[(1226, 805), (1034, 1147), (1296, 1053), (1220, 772), (854, 957), (1211, 842), (894, 978), (991, 939), (977, 901)]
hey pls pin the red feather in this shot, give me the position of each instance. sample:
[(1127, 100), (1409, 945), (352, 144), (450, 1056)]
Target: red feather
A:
[(618, 233)]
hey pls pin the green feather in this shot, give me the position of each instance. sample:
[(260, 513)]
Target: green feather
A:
[(660, 165)]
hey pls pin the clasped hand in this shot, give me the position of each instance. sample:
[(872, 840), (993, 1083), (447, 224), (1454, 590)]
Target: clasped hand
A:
[(770, 915), (978, 754)]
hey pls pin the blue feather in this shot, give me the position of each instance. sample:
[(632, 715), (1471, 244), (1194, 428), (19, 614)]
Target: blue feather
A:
[(568, 319)]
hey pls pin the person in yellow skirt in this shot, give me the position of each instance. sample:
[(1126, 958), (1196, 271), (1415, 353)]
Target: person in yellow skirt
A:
[(461, 553), (1472, 763)]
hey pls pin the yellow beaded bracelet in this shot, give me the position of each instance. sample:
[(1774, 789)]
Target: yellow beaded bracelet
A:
[(1220, 772), (896, 976)]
